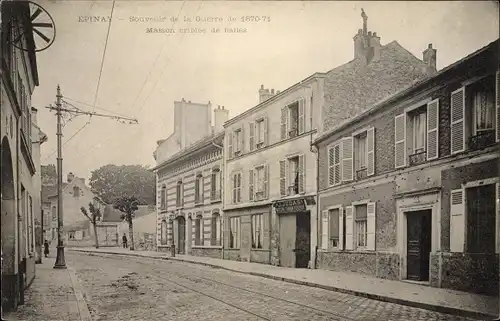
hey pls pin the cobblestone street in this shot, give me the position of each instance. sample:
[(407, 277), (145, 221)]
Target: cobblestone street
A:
[(125, 288)]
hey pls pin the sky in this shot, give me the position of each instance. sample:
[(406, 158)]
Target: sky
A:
[(144, 73)]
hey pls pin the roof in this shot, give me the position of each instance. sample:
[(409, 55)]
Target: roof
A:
[(54, 194), (47, 192), (412, 87), (356, 85), (195, 147)]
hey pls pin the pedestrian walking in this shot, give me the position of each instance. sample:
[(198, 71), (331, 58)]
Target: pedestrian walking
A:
[(124, 240), (46, 248)]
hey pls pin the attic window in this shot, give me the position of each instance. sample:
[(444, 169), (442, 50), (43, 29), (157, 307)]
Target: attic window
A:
[(76, 191)]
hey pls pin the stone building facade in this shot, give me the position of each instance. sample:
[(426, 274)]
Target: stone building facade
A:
[(409, 189), (189, 183), (269, 168), (19, 77)]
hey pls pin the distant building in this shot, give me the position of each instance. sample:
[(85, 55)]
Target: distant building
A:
[(189, 182), (409, 187)]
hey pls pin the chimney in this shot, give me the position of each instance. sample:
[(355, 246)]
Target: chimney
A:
[(265, 94), (366, 43), (70, 177), (221, 115), (430, 58)]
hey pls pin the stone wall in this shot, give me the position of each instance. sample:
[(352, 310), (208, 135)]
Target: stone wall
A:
[(382, 265), (215, 253), (476, 273), (233, 255), (260, 256)]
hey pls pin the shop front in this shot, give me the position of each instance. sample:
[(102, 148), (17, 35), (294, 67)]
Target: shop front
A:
[(293, 227)]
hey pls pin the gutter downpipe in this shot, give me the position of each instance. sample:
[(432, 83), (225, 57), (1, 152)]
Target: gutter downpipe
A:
[(316, 152), (222, 197)]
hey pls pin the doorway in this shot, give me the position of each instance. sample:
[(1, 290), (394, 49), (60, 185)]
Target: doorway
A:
[(418, 246), (295, 240), (181, 235)]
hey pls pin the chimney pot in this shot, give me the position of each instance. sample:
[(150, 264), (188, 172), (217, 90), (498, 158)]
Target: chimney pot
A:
[(223, 107), (189, 101), (261, 86), (374, 34), (272, 91), (430, 46), (369, 33)]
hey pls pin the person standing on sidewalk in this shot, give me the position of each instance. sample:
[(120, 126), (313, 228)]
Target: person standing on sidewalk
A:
[(124, 240), (46, 248)]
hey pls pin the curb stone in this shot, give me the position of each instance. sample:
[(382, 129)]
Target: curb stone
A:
[(420, 305), (79, 294)]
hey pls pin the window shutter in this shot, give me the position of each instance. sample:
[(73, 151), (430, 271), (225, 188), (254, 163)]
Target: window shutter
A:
[(282, 178), (251, 139), (331, 163), (497, 104), (165, 192), (341, 229), (349, 224), (371, 209), (250, 185), (457, 220), (266, 181), (457, 121), (370, 151), (324, 229), (238, 190), (287, 177), (347, 159), (433, 129), (235, 182), (265, 131), (242, 139), (284, 118), (400, 140), (202, 192), (302, 173), (229, 145), (302, 118)]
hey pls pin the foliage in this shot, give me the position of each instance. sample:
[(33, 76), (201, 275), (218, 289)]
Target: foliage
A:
[(111, 182), (127, 205), (94, 215)]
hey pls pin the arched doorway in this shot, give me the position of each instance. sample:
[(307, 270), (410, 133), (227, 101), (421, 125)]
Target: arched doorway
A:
[(8, 228), (181, 235)]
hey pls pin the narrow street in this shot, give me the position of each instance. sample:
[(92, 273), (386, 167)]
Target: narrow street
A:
[(125, 288)]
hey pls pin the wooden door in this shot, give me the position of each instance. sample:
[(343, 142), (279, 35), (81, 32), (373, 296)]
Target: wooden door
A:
[(287, 240), (418, 245), (303, 240), (481, 219), (181, 241)]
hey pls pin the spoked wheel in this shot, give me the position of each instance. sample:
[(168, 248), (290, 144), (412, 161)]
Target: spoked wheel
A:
[(40, 24)]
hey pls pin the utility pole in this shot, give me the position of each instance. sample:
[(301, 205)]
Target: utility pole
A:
[(60, 261)]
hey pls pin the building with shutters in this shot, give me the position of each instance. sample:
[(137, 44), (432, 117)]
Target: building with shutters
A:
[(269, 162), (270, 199), (189, 183), (409, 188)]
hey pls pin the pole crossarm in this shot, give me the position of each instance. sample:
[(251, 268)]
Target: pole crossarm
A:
[(81, 112)]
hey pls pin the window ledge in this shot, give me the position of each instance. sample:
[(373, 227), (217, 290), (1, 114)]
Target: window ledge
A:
[(260, 250), (232, 248)]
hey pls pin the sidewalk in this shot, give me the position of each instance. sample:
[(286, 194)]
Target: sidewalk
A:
[(420, 296), (54, 295)]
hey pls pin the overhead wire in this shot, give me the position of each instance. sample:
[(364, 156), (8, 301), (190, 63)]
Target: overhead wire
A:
[(90, 105), (69, 139), (113, 133), (104, 55)]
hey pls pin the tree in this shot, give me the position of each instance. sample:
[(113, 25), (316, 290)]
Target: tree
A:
[(111, 182), (93, 217), (127, 205)]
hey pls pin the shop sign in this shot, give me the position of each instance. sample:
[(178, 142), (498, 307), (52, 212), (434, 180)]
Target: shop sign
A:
[(290, 206)]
